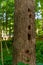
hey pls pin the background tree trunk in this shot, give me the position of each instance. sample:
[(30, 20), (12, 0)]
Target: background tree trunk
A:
[(0, 38), (24, 33)]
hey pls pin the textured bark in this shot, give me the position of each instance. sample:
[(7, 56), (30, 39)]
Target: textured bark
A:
[(24, 33)]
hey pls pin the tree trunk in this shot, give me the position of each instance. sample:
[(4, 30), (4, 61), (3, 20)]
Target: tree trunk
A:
[(24, 33), (6, 22), (0, 38)]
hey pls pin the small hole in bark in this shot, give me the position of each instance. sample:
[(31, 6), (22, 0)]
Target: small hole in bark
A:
[(29, 36), (27, 51), (28, 10), (28, 59), (29, 15), (29, 27)]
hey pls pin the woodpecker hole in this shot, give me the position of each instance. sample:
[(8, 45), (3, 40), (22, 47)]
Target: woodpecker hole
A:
[(29, 27), (27, 51), (28, 10), (28, 59), (30, 16), (29, 36)]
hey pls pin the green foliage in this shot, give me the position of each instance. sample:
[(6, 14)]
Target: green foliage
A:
[(3, 4), (39, 51), (7, 57), (21, 63), (7, 16), (39, 63)]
